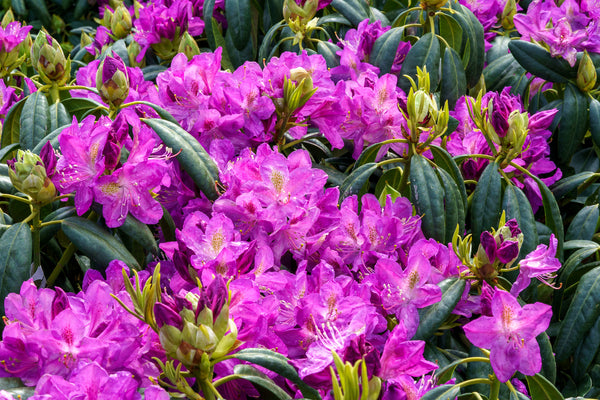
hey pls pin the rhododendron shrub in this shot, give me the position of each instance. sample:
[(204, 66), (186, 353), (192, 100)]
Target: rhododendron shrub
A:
[(300, 199)]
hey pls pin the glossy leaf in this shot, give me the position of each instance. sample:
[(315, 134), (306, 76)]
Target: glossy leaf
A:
[(444, 160), (140, 232), (595, 120), (258, 378), (96, 243), (571, 130), (239, 21), (443, 392), (40, 10), (207, 13), (566, 185), (425, 52), (516, 205), (356, 180), (552, 216), (434, 315), (5, 152), (384, 50), (539, 62), (541, 389), (193, 158), (19, 7), (328, 51), (473, 45), (451, 31), (486, 205), (583, 225), (454, 81), (355, 11), (34, 120), (453, 205), (501, 71), (581, 315), (586, 351), (427, 195), (80, 106), (11, 127), (15, 259), (48, 232), (548, 360), (57, 116)]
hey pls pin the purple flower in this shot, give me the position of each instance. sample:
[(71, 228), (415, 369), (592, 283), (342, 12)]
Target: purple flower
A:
[(403, 357), (540, 263), (510, 335), (12, 36)]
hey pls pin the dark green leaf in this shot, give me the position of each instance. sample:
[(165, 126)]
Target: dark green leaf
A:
[(539, 62), (164, 114), (453, 205), (552, 215), (238, 21), (486, 205), (277, 363), (569, 184), (444, 392), (574, 261), (427, 194), (595, 120), (581, 315), (253, 375), (207, 12), (390, 178), (48, 232), (500, 71), (140, 232), (541, 389), (548, 361), (444, 160), (6, 151), (356, 180), (355, 11), (52, 137), (34, 120), (454, 81), (151, 71), (384, 49), (586, 351), (434, 315), (58, 116), (328, 51), (451, 31), (571, 130), (265, 47), (425, 52), (584, 224), (79, 106), (19, 7), (516, 205), (15, 259), (39, 9), (473, 45), (11, 126), (193, 158), (97, 243)]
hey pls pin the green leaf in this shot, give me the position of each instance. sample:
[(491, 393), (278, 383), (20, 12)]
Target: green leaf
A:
[(425, 52), (566, 185), (552, 215), (454, 81), (34, 120), (501, 71), (164, 114), (19, 7), (48, 232), (384, 50), (453, 205), (140, 232), (584, 224), (581, 315), (265, 46), (516, 205), (58, 116), (253, 375), (15, 259), (354, 10), (539, 62), (220, 42), (486, 205), (444, 392), (473, 45), (11, 127), (571, 130), (586, 351), (151, 72), (277, 363), (328, 51), (595, 120), (97, 243), (575, 261), (444, 160), (433, 316), (238, 21), (52, 137), (390, 178), (444, 374), (193, 158), (427, 195), (39, 10), (6, 151), (541, 389), (451, 31), (207, 13), (79, 106), (548, 361), (356, 180)]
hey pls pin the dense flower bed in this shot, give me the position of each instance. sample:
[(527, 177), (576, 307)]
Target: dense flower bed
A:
[(300, 199)]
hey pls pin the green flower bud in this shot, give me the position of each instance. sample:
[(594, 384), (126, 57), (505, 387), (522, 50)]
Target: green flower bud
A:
[(49, 60), (188, 46), (132, 52), (112, 81), (422, 106), (120, 22), (28, 175), (586, 73), (517, 130), (292, 11), (509, 11), (170, 339), (433, 4)]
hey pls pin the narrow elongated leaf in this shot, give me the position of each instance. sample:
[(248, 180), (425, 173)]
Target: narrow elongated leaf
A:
[(258, 378), (451, 31), (356, 180), (238, 21), (384, 49), (19, 7), (425, 52), (58, 116), (500, 71), (434, 315), (473, 45), (516, 205), (52, 137), (5, 151), (11, 128), (390, 178), (164, 114), (15, 259), (79, 106), (96, 243), (193, 158), (541, 389), (552, 215), (34, 120), (140, 232), (48, 232), (277, 363), (570, 183), (354, 10), (548, 361), (444, 392), (574, 261), (486, 205), (427, 194), (265, 47), (38, 7), (207, 12), (539, 62), (581, 315), (595, 120), (444, 160), (586, 351), (453, 206), (584, 224), (454, 81), (328, 51), (571, 130)]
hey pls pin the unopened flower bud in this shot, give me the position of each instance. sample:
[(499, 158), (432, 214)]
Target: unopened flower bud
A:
[(499, 249), (432, 4), (133, 50), (112, 80), (188, 46), (509, 11), (120, 23), (49, 60), (517, 130), (306, 12), (586, 73), (28, 175), (422, 105)]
